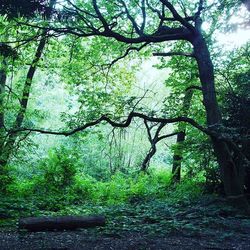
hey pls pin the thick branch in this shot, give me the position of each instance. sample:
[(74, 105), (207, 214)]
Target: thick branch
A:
[(123, 124), (100, 16), (154, 38), (173, 54), (143, 9), (153, 141), (132, 20), (166, 136)]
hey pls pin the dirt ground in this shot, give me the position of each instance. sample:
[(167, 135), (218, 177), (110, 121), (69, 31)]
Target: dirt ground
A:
[(138, 227), (81, 240)]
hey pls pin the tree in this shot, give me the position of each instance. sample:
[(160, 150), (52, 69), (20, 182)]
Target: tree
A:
[(154, 139), (9, 139), (146, 22)]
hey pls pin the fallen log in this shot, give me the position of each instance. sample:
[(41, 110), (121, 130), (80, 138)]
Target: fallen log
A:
[(35, 224)]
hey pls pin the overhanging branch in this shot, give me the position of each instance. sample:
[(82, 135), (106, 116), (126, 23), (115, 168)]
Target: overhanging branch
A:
[(122, 124), (126, 123)]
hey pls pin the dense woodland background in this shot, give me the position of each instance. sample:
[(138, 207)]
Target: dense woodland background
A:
[(108, 104)]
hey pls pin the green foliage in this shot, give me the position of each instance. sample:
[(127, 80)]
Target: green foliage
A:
[(120, 189), (188, 190), (6, 179), (59, 169), (81, 82)]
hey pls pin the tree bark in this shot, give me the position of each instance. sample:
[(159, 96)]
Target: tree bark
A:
[(231, 175), (3, 77)]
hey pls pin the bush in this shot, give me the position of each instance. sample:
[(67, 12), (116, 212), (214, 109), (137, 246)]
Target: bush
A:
[(59, 169), (187, 190), (5, 179)]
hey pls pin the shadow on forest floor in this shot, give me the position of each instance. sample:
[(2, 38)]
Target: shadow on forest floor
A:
[(206, 224)]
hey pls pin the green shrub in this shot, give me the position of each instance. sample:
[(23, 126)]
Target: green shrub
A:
[(59, 169), (51, 192), (83, 187), (6, 179), (23, 188), (122, 188), (187, 190)]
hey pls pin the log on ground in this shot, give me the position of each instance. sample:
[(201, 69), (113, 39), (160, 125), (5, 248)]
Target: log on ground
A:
[(60, 223)]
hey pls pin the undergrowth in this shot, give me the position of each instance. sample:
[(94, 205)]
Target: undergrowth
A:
[(60, 187), (38, 196)]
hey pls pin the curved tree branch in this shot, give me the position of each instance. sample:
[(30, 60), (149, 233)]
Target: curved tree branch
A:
[(123, 124)]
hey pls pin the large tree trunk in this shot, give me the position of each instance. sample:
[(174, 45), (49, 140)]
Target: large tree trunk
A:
[(231, 174)]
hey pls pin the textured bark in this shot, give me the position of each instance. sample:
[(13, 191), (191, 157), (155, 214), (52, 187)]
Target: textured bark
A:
[(230, 173), (35, 224)]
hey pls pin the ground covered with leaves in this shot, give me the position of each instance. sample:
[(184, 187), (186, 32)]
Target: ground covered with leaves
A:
[(207, 223)]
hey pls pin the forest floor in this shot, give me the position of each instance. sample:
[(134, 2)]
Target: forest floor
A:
[(206, 224)]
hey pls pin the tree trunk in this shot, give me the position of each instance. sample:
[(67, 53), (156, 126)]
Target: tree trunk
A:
[(153, 141), (230, 174), (177, 158), (148, 157), (11, 139), (8, 145), (3, 77)]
